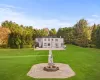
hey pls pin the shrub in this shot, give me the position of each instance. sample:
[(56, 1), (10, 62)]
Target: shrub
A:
[(27, 46), (92, 46), (3, 46)]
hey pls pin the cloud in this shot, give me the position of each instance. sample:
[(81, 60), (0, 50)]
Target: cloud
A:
[(94, 19), (10, 6), (9, 12), (96, 16), (91, 21)]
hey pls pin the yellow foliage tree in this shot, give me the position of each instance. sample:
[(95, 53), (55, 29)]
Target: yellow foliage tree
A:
[(4, 34)]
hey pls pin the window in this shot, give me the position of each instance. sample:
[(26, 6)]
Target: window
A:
[(39, 39), (45, 39), (62, 44), (52, 39), (49, 39), (56, 44), (56, 39), (45, 44), (48, 44)]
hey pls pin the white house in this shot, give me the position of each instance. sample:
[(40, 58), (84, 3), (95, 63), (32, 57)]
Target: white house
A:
[(50, 42)]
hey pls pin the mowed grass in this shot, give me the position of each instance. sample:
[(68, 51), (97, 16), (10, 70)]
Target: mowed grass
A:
[(15, 63)]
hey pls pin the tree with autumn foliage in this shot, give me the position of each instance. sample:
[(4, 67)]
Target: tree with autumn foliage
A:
[(81, 33), (4, 35)]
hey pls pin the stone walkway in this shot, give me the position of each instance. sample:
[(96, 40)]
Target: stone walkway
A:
[(64, 71)]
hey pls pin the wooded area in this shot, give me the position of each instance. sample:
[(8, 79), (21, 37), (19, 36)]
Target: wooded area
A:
[(13, 35)]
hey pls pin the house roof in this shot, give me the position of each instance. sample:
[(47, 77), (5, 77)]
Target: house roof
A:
[(48, 37)]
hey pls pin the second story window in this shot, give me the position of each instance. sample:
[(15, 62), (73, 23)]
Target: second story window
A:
[(49, 39), (56, 39), (39, 39), (45, 39)]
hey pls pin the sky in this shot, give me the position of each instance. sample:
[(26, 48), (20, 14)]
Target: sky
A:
[(50, 13)]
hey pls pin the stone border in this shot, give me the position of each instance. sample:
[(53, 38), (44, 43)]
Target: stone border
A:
[(64, 71), (49, 48)]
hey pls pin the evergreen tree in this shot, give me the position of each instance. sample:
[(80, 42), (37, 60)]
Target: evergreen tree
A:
[(93, 34), (97, 36)]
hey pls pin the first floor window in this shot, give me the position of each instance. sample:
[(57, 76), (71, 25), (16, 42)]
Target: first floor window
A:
[(62, 44), (45, 44), (56, 44), (48, 44)]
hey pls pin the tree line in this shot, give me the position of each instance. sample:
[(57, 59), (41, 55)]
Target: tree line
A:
[(81, 34), (20, 36)]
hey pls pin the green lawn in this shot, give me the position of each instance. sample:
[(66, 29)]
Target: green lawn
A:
[(14, 63)]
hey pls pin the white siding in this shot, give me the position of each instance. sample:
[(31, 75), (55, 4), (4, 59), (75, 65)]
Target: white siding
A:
[(40, 41), (50, 42)]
